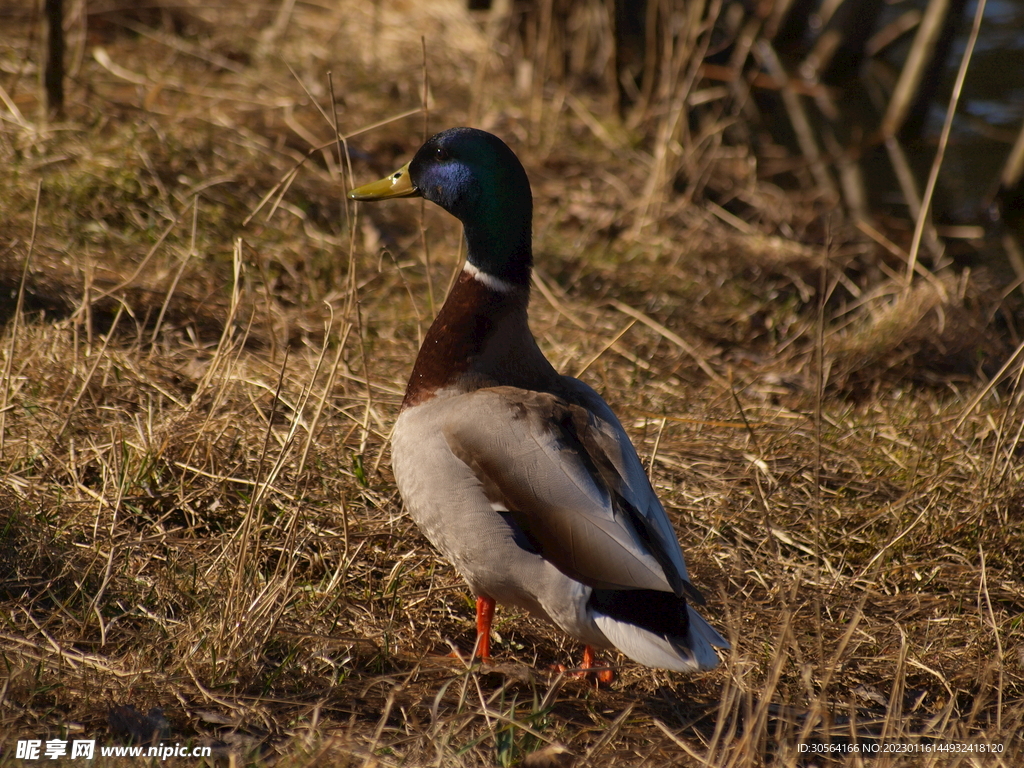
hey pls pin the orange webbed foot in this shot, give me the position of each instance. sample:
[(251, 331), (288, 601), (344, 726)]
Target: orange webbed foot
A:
[(589, 669)]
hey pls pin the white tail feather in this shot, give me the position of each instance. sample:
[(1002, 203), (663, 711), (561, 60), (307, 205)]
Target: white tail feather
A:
[(690, 654), (705, 630)]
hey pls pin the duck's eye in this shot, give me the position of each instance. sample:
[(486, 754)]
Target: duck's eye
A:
[(441, 154)]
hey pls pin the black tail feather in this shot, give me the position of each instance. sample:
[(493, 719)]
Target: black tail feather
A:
[(662, 613)]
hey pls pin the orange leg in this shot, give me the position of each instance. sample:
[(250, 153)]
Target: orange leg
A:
[(588, 657), (604, 675), (484, 617), (586, 669)]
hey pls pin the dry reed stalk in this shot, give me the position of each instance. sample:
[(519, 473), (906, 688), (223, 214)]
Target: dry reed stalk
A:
[(820, 706), (559, 306), (898, 252), (278, 190), (920, 56), (908, 186), (328, 387), (89, 376), (738, 61), (798, 119), (222, 350), (989, 615), (818, 59), (940, 153), (1013, 170), (751, 742), (890, 33), (243, 548), (684, 51), (609, 734), (851, 176), (1011, 415), (540, 64), (269, 35), (19, 304), (597, 355), (177, 277), (675, 339), (600, 131), (431, 303), (497, 19), (13, 111)]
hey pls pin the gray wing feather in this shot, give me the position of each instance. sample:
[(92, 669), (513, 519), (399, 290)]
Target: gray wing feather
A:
[(635, 486), (571, 480)]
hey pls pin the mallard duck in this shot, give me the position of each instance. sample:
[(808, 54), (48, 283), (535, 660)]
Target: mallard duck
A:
[(523, 478)]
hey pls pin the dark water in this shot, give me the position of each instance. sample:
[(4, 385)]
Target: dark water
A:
[(989, 117), (976, 219)]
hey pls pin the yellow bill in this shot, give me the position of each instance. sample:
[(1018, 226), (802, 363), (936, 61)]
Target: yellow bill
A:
[(398, 184)]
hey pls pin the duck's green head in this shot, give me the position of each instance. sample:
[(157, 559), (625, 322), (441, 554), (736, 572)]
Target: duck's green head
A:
[(474, 176)]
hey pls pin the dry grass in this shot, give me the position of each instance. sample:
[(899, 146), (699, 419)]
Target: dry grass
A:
[(197, 512)]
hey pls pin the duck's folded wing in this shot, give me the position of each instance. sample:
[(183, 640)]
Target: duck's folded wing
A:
[(628, 477), (553, 466)]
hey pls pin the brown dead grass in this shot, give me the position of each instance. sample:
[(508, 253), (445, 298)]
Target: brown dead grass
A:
[(197, 511)]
